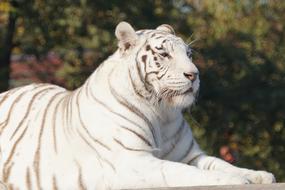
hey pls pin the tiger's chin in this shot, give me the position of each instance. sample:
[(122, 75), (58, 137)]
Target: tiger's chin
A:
[(182, 101)]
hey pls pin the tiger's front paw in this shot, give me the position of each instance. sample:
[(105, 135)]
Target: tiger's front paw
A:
[(234, 180), (260, 177)]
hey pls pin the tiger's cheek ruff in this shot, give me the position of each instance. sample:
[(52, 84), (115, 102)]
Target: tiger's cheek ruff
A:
[(148, 66)]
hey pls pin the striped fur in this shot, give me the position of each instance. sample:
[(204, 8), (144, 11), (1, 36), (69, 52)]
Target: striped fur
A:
[(123, 128)]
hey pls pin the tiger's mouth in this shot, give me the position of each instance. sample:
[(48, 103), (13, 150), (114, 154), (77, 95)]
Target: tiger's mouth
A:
[(189, 90), (179, 98), (174, 93), (185, 93)]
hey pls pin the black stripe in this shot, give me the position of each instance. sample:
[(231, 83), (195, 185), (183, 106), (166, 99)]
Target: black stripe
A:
[(149, 73), (6, 122), (28, 179), (140, 32), (153, 35), (68, 111), (86, 89), (177, 137), (6, 168), (9, 94), (116, 113), (11, 187), (188, 150), (64, 120), (128, 148), (6, 172), (146, 96), (80, 180), (92, 147), (19, 97), (138, 64), (137, 92), (29, 109), (54, 124), (110, 164), (159, 37), (138, 68), (176, 132), (152, 72), (144, 57), (133, 109), (192, 159), (159, 48), (37, 156), (54, 183), (84, 126), (9, 159), (162, 75), (146, 82), (137, 134)]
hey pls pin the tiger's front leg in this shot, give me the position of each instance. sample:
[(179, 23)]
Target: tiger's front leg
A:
[(215, 164), (147, 171), (3, 186)]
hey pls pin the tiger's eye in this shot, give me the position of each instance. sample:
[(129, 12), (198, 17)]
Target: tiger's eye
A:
[(164, 54)]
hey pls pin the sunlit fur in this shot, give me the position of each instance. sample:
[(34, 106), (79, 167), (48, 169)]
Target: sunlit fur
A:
[(123, 128)]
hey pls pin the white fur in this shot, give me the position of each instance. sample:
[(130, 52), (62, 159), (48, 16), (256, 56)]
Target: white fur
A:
[(90, 138)]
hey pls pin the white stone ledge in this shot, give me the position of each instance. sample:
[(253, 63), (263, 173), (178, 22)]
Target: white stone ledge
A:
[(275, 186)]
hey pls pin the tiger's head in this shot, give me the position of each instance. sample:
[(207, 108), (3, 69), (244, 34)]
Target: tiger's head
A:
[(163, 66)]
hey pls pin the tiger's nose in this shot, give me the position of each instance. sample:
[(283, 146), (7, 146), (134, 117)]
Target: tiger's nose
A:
[(191, 76)]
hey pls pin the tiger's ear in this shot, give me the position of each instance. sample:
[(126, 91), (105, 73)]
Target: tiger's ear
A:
[(126, 35), (166, 28)]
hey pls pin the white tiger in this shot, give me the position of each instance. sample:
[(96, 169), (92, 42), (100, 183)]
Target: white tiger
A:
[(122, 129)]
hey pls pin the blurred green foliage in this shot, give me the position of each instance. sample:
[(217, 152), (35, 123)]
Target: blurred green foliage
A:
[(238, 46)]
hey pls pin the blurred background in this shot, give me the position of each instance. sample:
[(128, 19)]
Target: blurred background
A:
[(239, 47)]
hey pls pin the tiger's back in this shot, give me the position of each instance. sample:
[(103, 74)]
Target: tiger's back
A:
[(35, 145)]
